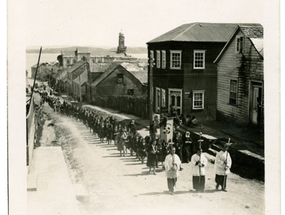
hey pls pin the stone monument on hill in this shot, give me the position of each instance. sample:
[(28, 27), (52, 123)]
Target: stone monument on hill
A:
[(121, 48)]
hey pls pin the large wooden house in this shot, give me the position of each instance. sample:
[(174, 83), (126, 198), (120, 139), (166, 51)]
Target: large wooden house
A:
[(120, 79), (76, 77), (240, 92), (183, 74)]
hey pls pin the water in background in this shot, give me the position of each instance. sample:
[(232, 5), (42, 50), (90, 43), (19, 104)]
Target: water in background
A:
[(32, 59)]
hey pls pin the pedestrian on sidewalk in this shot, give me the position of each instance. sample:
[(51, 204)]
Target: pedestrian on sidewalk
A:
[(223, 163), (199, 163), (172, 165)]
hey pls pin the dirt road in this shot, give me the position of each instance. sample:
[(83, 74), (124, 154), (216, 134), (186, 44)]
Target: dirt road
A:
[(122, 185)]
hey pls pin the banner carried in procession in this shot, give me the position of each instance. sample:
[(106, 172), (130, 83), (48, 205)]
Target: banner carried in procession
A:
[(166, 131)]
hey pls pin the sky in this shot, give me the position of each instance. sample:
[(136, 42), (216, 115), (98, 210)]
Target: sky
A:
[(98, 22)]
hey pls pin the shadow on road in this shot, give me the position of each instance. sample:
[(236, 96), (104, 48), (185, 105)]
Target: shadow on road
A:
[(128, 159), (114, 156), (138, 174), (205, 191), (112, 149), (176, 192), (104, 146), (140, 163), (163, 193)]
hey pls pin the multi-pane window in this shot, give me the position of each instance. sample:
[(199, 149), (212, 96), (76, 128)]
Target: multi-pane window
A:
[(157, 59), (198, 99), (239, 44), (163, 58), (199, 59), (233, 92), (175, 59)]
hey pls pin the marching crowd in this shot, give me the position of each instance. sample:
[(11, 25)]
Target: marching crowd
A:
[(150, 149)]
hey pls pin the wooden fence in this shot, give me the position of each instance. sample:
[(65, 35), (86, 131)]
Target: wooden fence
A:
[(127, 104)]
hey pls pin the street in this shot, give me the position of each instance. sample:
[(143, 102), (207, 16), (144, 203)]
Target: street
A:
[(123, 185)]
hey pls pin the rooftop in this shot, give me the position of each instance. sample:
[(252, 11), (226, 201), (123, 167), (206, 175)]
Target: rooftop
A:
[(199, 32)]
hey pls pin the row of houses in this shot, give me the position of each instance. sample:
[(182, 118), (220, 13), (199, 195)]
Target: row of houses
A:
[(85, 78), (212, 70)]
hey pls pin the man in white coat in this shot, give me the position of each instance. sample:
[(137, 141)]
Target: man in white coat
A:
[(172, 165), (223, 163), (199, 163)]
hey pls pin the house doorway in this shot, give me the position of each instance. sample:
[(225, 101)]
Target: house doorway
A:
[(256, 112), (175, 100)]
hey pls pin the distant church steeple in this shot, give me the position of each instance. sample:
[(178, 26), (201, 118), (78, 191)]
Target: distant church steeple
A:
[(121, 48)]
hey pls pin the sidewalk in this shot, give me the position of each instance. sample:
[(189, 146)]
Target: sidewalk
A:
[(50, 190), (247, 150), (244, 138)]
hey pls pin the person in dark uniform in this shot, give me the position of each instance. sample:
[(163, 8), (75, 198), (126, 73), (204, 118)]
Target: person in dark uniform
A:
[(187, 148), (152, 156), (152, 130), (178, 143)]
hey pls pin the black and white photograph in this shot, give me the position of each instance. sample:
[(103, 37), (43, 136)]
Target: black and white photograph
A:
[(143, 107)]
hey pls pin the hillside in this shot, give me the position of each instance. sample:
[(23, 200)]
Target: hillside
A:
[(93, 50)]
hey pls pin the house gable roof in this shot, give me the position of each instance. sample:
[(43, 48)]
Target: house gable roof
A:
[(95, 75), (139, 74), (98, 67), (258, 44), (74, 68), (253, 31), (198, 32), (108, 71), (83, 78)]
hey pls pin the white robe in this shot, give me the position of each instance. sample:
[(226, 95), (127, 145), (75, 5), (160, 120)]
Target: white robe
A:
[(222, 167), (168, 164), (196, 170)]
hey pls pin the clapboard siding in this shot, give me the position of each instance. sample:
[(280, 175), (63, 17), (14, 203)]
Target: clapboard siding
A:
[(110, 86), (229, 67), (187, 78)]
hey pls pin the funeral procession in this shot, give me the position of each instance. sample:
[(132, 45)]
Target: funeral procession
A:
[(177, 127)]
